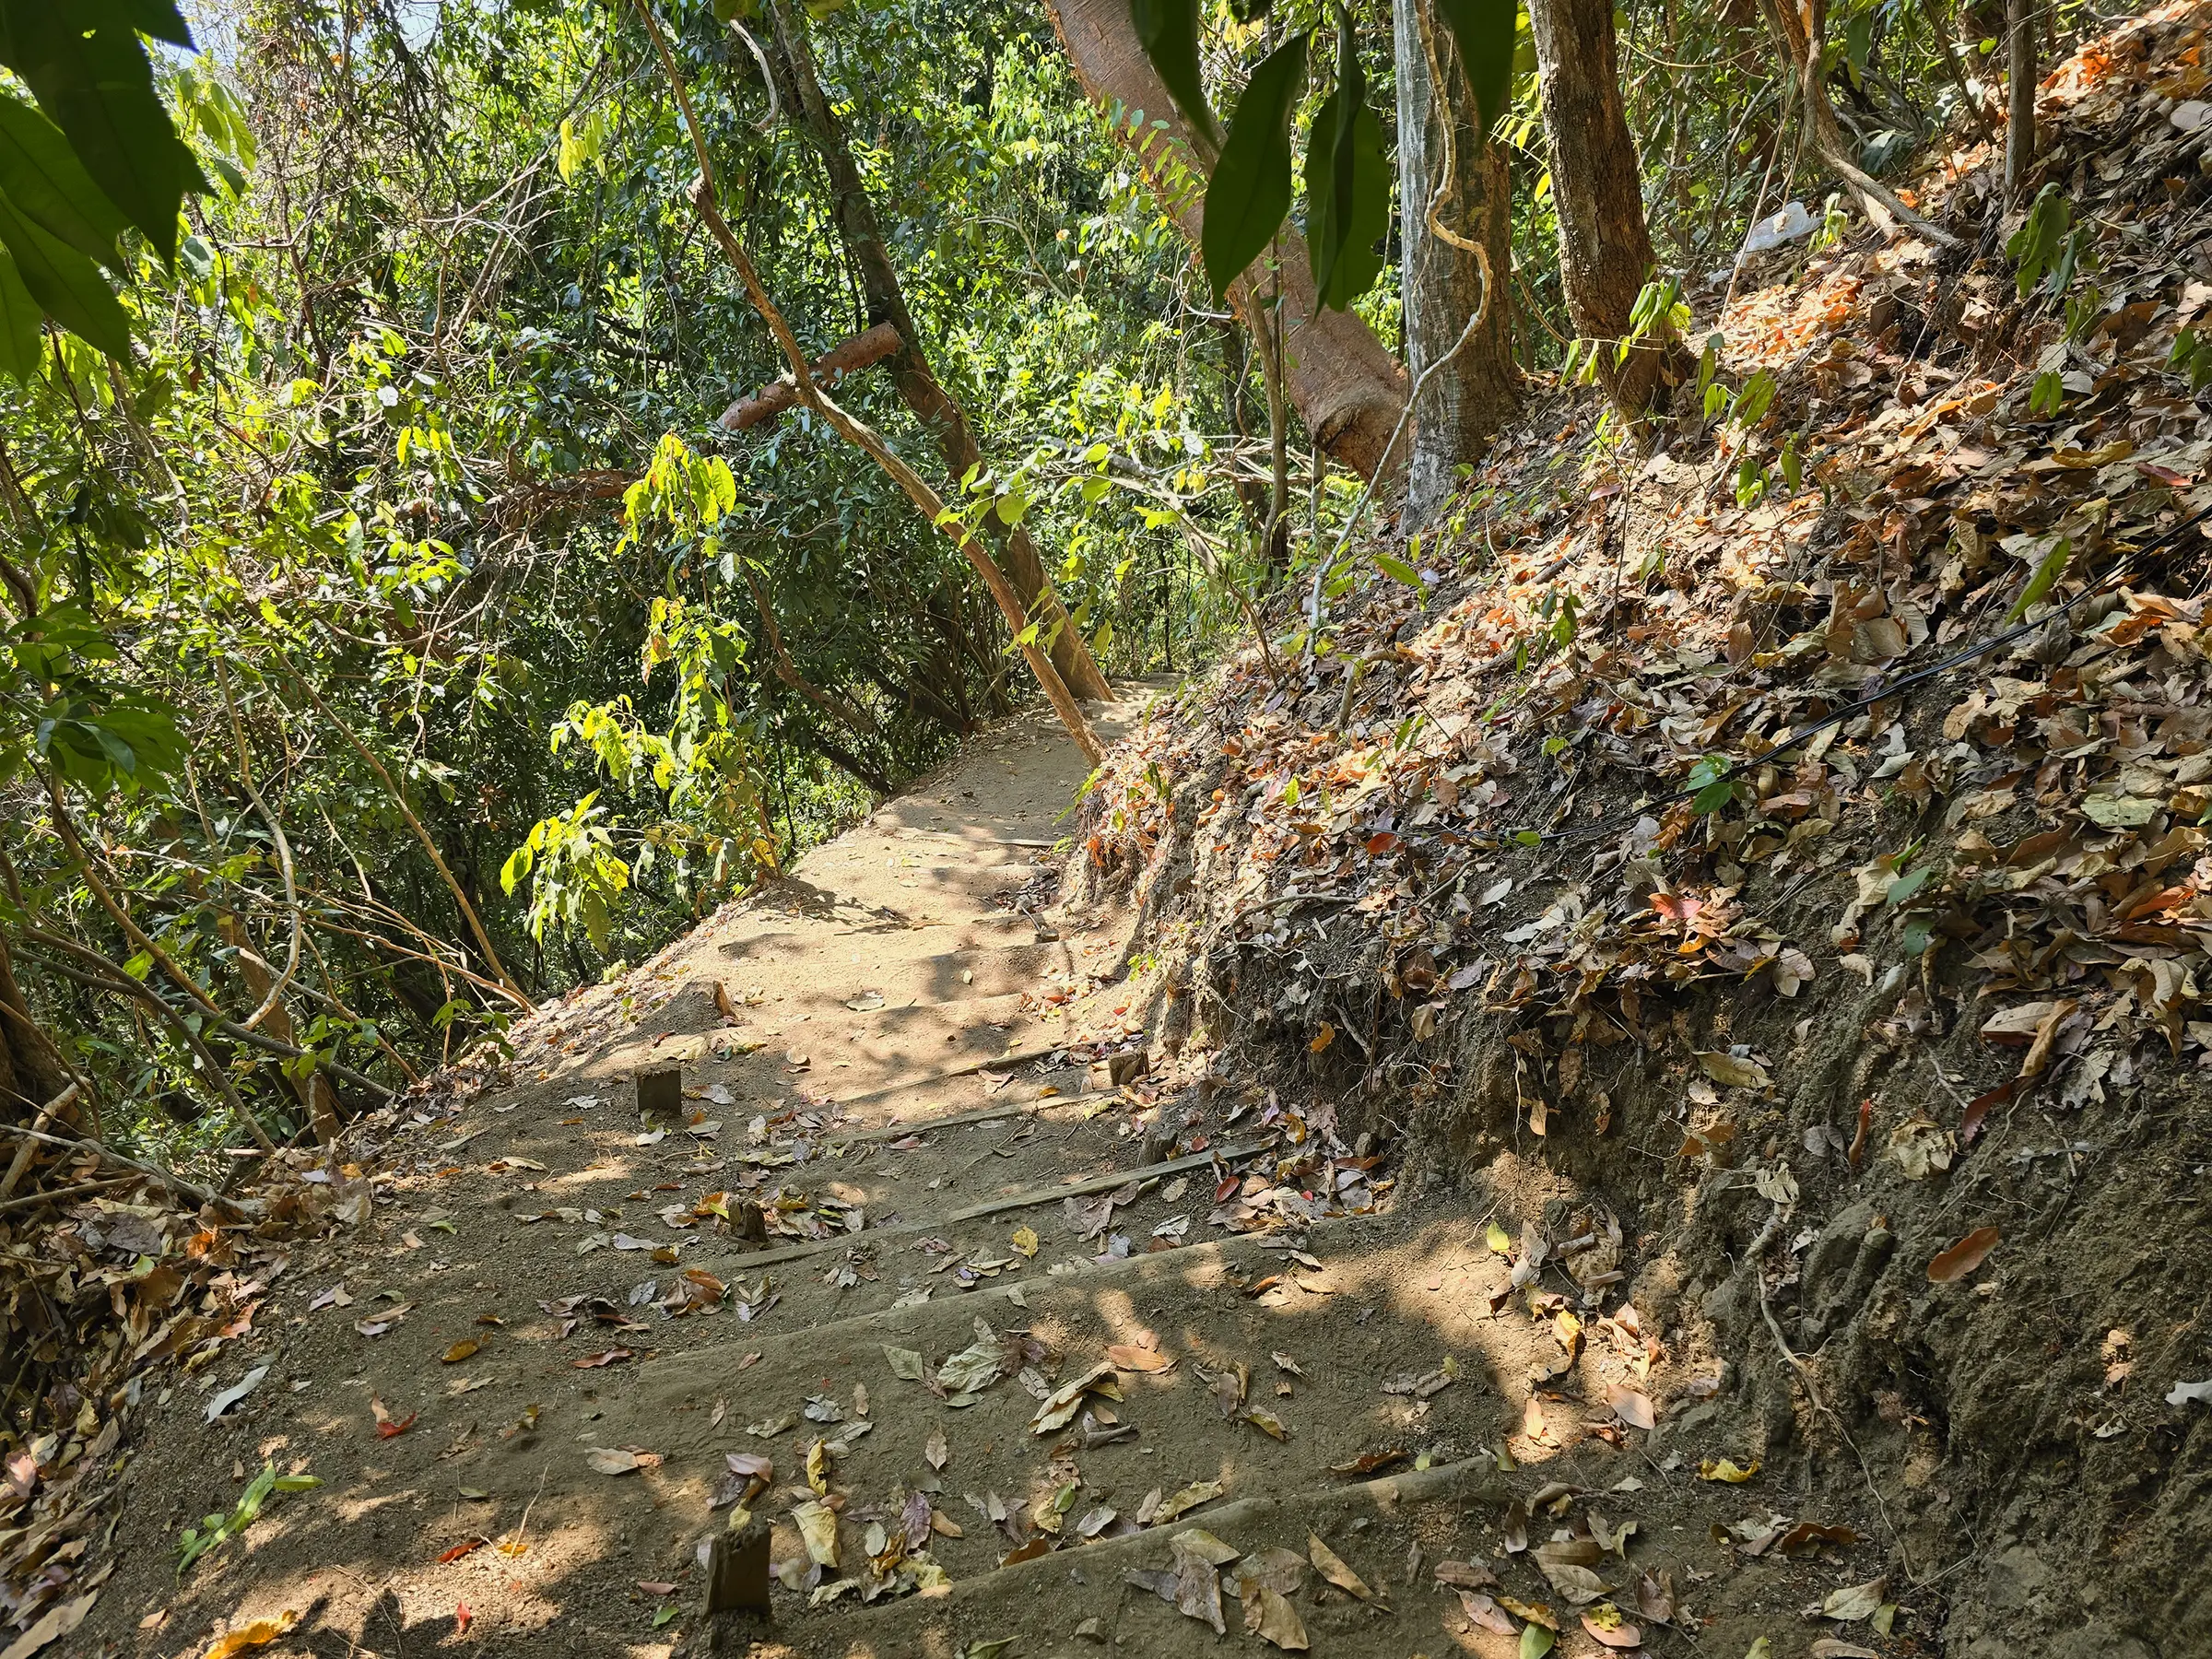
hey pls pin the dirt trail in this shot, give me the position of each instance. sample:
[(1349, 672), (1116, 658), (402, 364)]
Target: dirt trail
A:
[(576, 1343)]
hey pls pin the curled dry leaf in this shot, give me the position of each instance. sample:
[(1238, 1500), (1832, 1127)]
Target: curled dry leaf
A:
[(1633, 1407), (259, 1634), (1334, 1568), (1269, 1616), (1855, 1602), (621, 1460), (1187, 1499), (1126, 1355), (1951, 1265), (1484, 1613), (1724, 1470), (1606, 1625), (1282, 1570)]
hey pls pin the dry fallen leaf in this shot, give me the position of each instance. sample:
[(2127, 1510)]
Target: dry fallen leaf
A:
[(1332, 1565), (1632, 1407), (388, 1426), (1125, 1356), (1604, 1623), (1721, 1469), (936, 1450), (1270, 1616), (1025, 1241), (467, 1349), (619, 1460), (1962, 1258), (1855, 1602), (57, 1623), (259, 1633)]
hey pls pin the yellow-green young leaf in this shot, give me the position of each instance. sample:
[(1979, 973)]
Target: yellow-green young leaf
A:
[(2047, 572), (1399, 570), (1250, 189), (1536, 1642)]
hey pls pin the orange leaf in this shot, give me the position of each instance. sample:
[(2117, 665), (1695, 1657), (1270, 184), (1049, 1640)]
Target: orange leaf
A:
[(1963, 1257), (1322, 1038), (1125, 1356), (466, 1349), (458, 1550)]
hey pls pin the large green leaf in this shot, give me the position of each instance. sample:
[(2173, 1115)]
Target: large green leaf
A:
[(49, 187), (159, 18), (1169, 32), (1348, 184), (66, 284), (85, 64), (1249, 193), (20, 319), (1483, 30)]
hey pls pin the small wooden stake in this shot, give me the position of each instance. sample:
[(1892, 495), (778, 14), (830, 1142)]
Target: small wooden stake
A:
[(661, 1094), (736, 1573)]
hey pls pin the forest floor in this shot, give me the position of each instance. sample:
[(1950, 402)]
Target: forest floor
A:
[(1387, 1193), (540, 1372)]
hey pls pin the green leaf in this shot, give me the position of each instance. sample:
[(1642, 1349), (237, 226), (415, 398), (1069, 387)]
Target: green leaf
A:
[(1483, 30), (49, 187), (1536, 1641), (1347, 188), (1250, 189), (19, 317), (1348, 249), (67, 285), (85, 64), (1168, 31), (2047, 573), (1399, 571)]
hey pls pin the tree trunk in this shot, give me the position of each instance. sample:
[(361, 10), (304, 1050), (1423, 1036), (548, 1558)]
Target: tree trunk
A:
[(1014, 551), (2019, 102), (1346, 387), (30, 1072), (1604, 246), (1800, 29), (1456, 199)]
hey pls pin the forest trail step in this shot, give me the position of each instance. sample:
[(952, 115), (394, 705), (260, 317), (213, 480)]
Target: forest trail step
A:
[(538, 1378)]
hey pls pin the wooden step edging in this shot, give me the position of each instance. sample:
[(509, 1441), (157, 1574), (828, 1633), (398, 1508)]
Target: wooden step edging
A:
[(984, 1115), (1473, 1480), (976, 1212)]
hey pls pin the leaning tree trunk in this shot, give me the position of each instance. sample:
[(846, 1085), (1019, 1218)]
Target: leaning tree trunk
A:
[(1604, 246), (1344, 385), (31, 1069), (1456, 199), (1800, 29), (1015, 551)]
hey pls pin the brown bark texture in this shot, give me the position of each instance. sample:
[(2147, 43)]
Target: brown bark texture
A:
[(2019, 96), (1014, 550), (848, 356), (1456, 202), (1345, 387), (1605, 245)]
